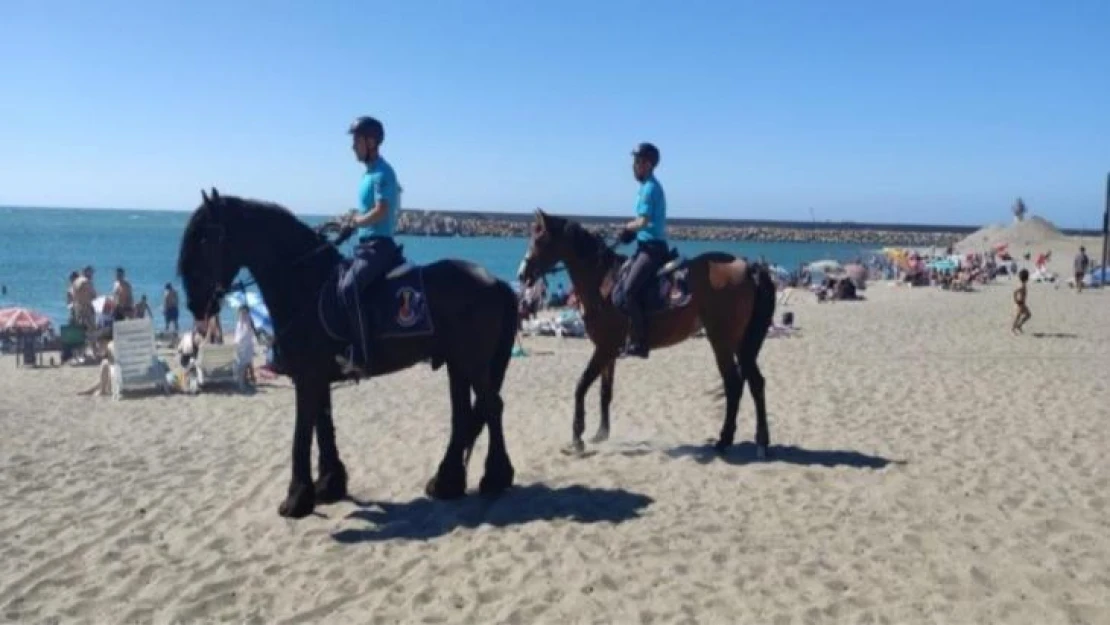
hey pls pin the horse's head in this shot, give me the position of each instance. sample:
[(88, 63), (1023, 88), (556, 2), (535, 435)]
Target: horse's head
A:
[(208, 260), (557, 239)]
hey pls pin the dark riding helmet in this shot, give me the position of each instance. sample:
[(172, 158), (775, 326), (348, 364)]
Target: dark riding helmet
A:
[(648, 152), (367, 126)]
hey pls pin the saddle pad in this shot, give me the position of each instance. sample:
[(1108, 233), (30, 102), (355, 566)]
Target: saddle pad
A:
[(400, 306)]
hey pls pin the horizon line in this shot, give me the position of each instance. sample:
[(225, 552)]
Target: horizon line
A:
[(682, 221)]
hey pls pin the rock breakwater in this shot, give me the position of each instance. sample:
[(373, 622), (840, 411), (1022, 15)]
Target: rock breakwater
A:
[(443, 224)]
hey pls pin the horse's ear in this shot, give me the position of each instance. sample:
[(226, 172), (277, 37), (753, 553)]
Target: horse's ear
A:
[(215, 195), (204, 196), (541, 218)]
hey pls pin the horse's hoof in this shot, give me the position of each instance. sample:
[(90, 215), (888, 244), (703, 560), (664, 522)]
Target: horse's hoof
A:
[(601, 436), (496, 482), (575, 448), (760, 452), (445, 488), (300, 502), (332, 486)]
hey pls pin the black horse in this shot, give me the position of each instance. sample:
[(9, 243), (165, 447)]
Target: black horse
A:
[(449, 312)]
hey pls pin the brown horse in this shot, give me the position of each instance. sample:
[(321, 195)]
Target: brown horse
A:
[(733, 300)]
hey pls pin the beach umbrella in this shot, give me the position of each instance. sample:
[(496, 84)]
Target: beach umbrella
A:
[(22, 320), (260, 315)]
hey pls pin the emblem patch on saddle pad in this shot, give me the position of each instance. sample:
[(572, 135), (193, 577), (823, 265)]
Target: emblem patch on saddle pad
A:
[(402, 307), (410, 306)]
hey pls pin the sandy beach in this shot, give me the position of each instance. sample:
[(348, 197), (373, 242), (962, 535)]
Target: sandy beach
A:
[(928, 467)]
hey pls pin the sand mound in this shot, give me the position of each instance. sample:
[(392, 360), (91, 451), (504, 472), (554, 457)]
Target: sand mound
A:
[(1031, 232)]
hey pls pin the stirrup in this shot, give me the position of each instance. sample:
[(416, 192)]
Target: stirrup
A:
[(347, 365)]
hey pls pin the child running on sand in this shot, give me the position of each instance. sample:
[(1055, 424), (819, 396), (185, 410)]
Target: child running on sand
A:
[(1020, 294)]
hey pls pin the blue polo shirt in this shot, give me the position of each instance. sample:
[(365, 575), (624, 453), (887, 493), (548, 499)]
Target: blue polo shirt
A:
[(379, 183), (652, 204)]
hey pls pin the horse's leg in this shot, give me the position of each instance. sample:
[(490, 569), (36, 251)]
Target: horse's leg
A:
[(754, 376), (499, 471), (734, 388), (449, 481), (331, 485), (301, 499), (607, 373), (593, 369), (748, 356)]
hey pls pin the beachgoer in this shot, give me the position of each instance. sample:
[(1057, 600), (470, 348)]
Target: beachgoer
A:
[(169, 307), (71, 302), (376, 220), (244, 342), (142, 309), (123, 296), (1081, 264), (83, 296), (649, 230), (1020, 295), (88, 272), (103, 385)]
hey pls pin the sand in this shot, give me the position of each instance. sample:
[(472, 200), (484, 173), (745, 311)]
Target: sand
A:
[(928, 468)]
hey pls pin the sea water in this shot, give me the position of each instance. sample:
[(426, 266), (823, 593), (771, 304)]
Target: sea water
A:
[(39, 247)]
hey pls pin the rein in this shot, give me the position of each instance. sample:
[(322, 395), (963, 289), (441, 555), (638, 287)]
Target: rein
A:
[(561, 267), (344, 233)]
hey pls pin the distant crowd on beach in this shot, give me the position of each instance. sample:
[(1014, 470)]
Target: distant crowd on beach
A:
[(120, 304)]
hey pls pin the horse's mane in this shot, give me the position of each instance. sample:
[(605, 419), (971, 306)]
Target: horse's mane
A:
[(588, 245), (232, 208)]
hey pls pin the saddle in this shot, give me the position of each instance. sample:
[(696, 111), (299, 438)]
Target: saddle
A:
[(393, 306), (666, 290)]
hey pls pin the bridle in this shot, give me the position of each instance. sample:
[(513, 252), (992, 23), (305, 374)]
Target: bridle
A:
[(212, 244), (560, 267)]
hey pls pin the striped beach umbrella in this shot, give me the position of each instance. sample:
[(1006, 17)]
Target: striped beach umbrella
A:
[(260, 315), (22, 320)]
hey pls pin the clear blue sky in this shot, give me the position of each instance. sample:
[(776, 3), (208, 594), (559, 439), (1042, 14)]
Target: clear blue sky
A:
[(940, 111)]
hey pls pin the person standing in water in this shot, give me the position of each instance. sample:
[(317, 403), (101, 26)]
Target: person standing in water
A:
[(123, 296)]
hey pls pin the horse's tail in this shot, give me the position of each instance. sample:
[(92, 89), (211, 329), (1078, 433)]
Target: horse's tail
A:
[(503, 351), (510, 323), (763, 309)]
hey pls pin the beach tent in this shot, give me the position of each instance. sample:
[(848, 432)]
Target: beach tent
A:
[(943, 264), (825, 266), (1098, 276), (779, 273)]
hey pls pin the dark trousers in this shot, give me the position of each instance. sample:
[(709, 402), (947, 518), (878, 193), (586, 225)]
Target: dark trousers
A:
[(647, 261), (373, 257)]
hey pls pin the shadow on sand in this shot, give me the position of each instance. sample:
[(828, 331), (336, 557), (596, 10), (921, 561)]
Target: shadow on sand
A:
[(423, 518), (744, 453), (1054, 335)]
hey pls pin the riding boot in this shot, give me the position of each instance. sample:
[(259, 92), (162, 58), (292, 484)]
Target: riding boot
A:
[(356, 360), (637, 336)]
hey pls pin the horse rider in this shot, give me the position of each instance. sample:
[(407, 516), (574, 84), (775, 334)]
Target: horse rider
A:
[(376, 220), (649, 230)]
